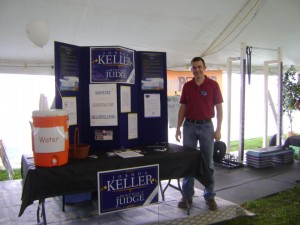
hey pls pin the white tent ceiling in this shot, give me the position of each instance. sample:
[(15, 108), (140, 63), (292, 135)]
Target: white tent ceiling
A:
[(214, 29)]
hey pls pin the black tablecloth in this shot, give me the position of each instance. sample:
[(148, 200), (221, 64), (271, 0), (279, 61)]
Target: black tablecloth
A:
[(81, 175)]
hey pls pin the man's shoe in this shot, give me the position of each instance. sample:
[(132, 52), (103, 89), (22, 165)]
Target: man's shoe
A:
[(183, 203), (211, 204)]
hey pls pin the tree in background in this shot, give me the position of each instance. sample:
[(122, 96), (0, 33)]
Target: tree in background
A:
[(290, 93)]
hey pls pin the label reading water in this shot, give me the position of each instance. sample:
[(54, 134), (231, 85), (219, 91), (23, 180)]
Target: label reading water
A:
[(48, 140)]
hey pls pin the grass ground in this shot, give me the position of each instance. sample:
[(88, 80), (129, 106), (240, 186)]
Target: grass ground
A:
[(282, 208), (252, 143), (4, 175), (279, 209), (255, 143)]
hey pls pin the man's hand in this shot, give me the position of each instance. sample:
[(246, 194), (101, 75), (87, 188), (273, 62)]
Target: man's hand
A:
[(178, 135), (217, 135)]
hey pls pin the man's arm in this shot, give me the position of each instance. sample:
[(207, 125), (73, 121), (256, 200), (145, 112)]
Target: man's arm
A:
[(217, 134), (181, 115)]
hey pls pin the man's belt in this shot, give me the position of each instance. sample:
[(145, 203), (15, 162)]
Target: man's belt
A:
[(198, 121)]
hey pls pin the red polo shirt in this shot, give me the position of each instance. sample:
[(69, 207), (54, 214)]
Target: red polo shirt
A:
[(200, 100)]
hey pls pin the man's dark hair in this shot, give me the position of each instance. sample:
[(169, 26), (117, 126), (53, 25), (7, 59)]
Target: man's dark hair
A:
[(195, 59)]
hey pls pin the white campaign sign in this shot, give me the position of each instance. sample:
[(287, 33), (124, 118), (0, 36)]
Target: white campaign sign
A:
[(103, 105)]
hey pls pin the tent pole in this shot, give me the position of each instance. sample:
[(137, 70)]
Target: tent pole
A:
[(279, 114), (265, 137), (228, 109), (242, 103), (266, 101)]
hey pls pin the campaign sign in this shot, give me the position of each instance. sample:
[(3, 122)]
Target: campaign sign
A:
[(112, 65), (127, 188)]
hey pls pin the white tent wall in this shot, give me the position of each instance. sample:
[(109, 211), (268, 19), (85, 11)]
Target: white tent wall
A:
[(19, 96), (254, 108), (30, 68)]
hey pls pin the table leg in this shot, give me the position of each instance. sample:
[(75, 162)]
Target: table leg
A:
[(63, 203), (178, 188), (162, 192), (43, 213), (38, 213)]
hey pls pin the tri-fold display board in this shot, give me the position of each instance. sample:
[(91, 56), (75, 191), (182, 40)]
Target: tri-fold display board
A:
[(116, 96)]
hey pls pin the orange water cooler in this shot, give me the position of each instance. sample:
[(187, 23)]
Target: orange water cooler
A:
[(50, 137)]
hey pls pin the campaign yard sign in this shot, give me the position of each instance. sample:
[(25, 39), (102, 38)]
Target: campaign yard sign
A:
[(112, 65), (127, 188)]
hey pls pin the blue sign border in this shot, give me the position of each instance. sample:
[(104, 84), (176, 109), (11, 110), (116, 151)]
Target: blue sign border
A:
[(127, 188), (112, 65)]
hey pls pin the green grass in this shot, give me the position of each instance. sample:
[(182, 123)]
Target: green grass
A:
[(4, 175), (282, 208), (279, 209), (252, 143)]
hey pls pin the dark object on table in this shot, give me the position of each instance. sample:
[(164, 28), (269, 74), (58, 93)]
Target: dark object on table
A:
[(78, 150)]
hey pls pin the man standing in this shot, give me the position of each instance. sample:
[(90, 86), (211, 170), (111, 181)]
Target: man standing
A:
[(198, 100)]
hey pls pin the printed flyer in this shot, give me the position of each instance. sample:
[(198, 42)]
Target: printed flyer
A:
[(152, 71), (103, 105), (69, 68), (173, 107)]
